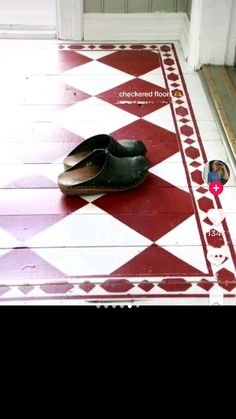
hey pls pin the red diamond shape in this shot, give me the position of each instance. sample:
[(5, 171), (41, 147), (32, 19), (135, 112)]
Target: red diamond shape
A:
[(186, 130), (205, 284), (179, 102), (69, 59), (26, 226), (202, 190), (123, 47), (184, 120), (4, 289), (151, 206), (175, 85), (25, 264), (87, 286), (156, 261), (35, 200), (192, 152), (197, 177), (50, 62), (169, 61), (205, 204), (170, 69), (195, 164), (139, 106), (173, 77), (32, 180), (226, 279), (50, 92), (160, 143), (133, 62), (26, 289), (181, 111), (146, 286), (189, 141)]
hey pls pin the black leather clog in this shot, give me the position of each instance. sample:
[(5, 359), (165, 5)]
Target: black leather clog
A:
[(123, 148), (101, 172)]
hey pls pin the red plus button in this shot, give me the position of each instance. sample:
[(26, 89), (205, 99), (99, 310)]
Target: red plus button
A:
[(216, 188)]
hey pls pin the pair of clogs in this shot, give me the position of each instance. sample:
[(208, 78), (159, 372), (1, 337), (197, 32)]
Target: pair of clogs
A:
[(101, 164)]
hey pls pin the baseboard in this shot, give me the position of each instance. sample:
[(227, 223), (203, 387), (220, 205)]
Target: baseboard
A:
[(184, 37), (27, 32), (133, 26)]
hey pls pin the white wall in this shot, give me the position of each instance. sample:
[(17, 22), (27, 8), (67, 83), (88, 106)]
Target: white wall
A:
[(28, 12), (209, 32)]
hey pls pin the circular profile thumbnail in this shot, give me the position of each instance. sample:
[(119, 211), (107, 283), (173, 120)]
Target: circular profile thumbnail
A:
[(216, 171)]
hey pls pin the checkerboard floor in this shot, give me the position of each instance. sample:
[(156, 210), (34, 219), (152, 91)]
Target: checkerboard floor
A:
[(154, 244)]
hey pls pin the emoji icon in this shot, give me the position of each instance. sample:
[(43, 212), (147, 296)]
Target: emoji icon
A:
[(216, 216), (216, 256), (177, 93)]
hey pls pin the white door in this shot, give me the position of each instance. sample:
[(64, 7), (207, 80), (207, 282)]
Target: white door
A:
[(28, 13)]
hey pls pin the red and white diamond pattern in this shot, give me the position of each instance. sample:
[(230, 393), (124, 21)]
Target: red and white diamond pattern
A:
[(138, 244)]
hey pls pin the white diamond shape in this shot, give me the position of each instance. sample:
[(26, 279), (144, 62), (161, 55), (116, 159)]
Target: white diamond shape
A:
[(10, 173), (94, 77), (155, 77), (193, 255), (88, 261), (88, 230), (181, 236), (95, 55), (163, 118), (7, 241), (91, 198), (93, 116), (172, 172), (51, 171)]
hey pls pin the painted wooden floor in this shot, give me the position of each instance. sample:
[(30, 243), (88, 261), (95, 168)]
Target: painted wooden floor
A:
[(163, 243)]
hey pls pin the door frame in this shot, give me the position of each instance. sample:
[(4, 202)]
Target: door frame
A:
[(209, 38), (70, 19), (212, 34), (231, 46)]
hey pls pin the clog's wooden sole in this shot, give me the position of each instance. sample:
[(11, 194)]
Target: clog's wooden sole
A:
[(66, 180)]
